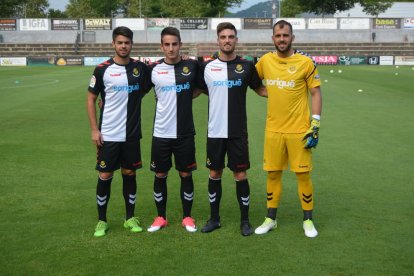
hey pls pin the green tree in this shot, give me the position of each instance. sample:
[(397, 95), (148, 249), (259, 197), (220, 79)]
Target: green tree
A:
[(92, 8), (57, 14), (24, 8), (372, 7), (291, 8)]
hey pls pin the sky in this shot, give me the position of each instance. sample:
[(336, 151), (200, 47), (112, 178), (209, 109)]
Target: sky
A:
[(61, 4)]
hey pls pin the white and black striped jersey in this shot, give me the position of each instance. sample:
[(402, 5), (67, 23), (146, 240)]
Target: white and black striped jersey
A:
[(174, 85), (227, 83), (122, 88)]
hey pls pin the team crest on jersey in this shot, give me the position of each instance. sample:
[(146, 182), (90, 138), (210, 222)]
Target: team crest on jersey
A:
[(292, 69), (92, 82), (239, 69), (186, 71), (102, 164), (135, 72)]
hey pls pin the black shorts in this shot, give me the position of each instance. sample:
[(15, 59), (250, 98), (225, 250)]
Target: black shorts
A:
[(184, 154), (237, 150), (113, 155)]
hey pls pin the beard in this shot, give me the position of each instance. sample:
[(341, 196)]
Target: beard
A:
[(123, 54), (228, 52), (285, 50)]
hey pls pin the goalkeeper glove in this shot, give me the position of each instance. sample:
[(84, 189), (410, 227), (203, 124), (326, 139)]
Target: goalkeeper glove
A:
[(312, 135)]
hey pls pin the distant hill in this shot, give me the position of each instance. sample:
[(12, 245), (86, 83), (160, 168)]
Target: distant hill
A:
[(263, 9)]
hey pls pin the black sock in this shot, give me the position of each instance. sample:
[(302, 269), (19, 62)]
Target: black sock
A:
[(214, 195), (307, 214), (271, 213), (243, 197), (129, 189), (103, 193), (160, 195), (187, 194)]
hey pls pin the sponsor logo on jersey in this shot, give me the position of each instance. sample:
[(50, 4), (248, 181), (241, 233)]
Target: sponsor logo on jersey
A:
[(126, 88), (92, 82), (176, 88), (239, 69), (135, 72), (281, 83), (102, 164), (115, 75), (292, 69), (216, 69), (162, 73), (317, 77), (228, 83), (186, 71)]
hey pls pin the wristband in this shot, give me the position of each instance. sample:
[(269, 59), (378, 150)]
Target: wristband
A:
[(316, 117)]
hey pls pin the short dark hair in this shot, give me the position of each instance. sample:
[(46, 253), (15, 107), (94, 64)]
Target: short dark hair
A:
[(225, 25), (171, 31), (122, 30), (282, 24)]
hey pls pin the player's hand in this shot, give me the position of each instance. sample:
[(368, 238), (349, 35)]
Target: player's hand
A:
[(97, 138), (100, 103), (312, 135)]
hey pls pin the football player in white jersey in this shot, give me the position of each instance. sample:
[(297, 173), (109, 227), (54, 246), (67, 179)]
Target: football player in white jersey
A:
[(121, 82)]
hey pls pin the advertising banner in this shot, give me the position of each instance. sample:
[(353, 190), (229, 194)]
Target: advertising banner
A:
[(135, 24), (235, 21), (161, 23), (258, 23), (93, 61), (34, 24), (409, 23), (374, 60), (347, 60), (65, 24), (41, 61), (386, 23), (323, 23), (354, 23), (8, 24), (97, 24), (13, 61), (404, 60), (327, 60), (386, 60), (297, 23), (67, 61), (193, 23)]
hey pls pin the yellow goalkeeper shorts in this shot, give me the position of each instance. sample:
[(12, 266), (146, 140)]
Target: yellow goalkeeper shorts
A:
[(279, 148)]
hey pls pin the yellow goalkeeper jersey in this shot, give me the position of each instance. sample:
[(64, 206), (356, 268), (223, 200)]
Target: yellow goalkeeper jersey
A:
[(287, 81)]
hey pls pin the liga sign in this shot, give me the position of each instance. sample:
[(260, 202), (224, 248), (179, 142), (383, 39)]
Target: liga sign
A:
[(34, 24)]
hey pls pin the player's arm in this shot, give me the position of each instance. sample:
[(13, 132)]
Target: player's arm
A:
[(312, 135), (316, 100), (96, 135), (261, 91)]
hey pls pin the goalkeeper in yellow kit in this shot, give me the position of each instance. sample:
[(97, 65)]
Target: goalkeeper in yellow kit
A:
[(291, 130)]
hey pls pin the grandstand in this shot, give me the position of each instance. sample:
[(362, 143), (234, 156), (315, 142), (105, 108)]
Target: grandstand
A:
[(203, 49), (358, 37)]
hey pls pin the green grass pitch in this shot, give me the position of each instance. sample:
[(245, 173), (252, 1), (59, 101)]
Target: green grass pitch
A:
[(363, 183)]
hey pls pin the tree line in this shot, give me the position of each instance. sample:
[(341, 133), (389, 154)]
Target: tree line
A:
[(173, 8)]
